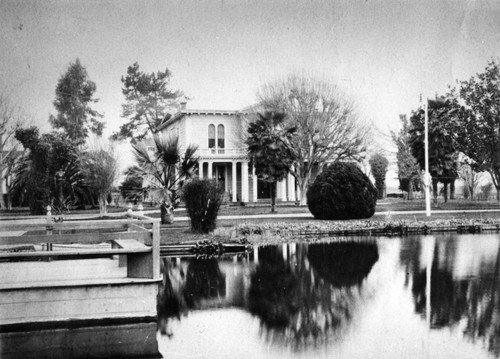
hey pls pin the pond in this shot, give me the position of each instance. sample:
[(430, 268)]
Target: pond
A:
[(353, 298)]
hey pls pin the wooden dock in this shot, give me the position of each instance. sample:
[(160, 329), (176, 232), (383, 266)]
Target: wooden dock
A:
[(79, 270), (66, 290)]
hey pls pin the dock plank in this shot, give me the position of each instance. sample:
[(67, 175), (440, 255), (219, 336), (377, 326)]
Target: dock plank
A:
[(77, 252), (63, 273), (73, 238)]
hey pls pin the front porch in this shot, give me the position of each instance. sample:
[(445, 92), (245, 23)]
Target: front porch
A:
[(240, 183)]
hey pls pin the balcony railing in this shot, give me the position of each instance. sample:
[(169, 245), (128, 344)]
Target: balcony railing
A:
[(221, 152)]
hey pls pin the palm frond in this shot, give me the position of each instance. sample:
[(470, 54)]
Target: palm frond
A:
[(167, 149), (189, 162), (141, 154)]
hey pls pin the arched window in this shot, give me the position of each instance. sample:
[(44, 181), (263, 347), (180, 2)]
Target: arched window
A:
[(220, 136), (211, 136)]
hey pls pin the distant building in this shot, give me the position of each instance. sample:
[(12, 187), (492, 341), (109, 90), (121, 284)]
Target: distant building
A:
[(6, 177), (220, 137)]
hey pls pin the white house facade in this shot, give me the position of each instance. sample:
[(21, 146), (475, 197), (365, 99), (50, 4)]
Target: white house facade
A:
[(220, 138)]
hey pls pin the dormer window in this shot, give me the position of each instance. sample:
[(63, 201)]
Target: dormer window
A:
[(211, 136), (220, 136)]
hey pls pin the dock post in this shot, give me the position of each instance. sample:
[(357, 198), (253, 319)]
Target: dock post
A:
[(49, 228), (155, 246)]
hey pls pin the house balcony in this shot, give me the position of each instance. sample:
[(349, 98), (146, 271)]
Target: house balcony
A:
[(221, 153)]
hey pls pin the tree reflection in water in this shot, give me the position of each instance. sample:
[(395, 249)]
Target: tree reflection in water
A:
[(204, 280), (313, 301), (185, 289), (470, 302)]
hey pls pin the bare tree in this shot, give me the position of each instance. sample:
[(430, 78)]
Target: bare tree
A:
[(328, 128), (470, 177), (11, 119), (100, 169)]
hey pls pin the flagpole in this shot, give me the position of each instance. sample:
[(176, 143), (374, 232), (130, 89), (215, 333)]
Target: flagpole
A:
[(426, 149)]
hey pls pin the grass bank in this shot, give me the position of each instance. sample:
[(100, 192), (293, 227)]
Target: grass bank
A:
[(390, 213), (467, 216)]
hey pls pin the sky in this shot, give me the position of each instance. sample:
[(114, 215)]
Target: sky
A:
[(383, 54)]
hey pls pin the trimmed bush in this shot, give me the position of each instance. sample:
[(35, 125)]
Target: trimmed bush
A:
[(203, 199), (342, 191)]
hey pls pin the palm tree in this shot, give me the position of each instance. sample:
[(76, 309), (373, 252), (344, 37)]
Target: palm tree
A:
[(269, 149), (164, 172)]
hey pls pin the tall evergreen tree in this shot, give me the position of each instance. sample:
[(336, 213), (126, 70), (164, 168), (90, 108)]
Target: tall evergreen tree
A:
[(378, 164), (74, 94), (443, 154), (408, 169), (147, 102)]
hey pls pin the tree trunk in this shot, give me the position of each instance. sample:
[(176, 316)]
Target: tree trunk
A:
[(166, 213), (452, 189), (435, 190), (410, 190), (9, 200), (273, 196), (496, 183), (303, 192), (103, 209), (445, 192), (2, 199)]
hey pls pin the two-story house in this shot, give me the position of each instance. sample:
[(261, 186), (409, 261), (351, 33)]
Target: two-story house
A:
[(220, 137)]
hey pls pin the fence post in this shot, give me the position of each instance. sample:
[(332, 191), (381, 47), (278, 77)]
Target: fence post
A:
[(122, 258), (49, 226), (155, 249), (140, 210)]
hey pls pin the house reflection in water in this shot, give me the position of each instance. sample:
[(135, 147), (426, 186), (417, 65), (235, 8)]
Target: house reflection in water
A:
[(303, 294)]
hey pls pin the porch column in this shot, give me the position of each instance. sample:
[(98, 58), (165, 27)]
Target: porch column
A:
[(299, 196), (210, 169), (244, 181), (200, 169), (282, 184), (226, 177), (291, 188), (233, 181), (254, 185)]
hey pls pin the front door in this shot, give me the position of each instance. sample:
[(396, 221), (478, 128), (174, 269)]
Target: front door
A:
[(220, 175), (263, 190)]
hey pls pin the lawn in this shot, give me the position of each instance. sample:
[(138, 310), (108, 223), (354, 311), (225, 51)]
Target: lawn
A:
[(179, 231), (387, 208), (384, 205)]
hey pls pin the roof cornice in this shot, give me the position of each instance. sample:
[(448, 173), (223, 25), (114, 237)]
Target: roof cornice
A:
[(183, 113)]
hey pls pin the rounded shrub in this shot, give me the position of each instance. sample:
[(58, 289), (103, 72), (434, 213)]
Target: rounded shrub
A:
[(342, 191), (203, 198)]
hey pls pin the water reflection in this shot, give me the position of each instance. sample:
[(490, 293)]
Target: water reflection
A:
[(204, 281), (304, 295), (363, 299), (313, 301), (195, 283), (464, 292)]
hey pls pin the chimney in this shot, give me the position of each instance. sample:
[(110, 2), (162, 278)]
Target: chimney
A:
[(183, 105)]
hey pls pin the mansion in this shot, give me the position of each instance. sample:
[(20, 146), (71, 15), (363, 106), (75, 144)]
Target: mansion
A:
[(220, 137)]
